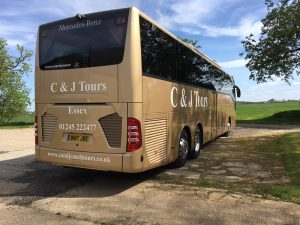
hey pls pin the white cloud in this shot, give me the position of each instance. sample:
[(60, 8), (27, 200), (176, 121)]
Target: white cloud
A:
[(244, 28), (189, 12), (276, 89), (276, 82), (19, 21), (233, 63), (23, 33), (196, 16), (15, 42), (78, 6), (63, 8), (193, 11)]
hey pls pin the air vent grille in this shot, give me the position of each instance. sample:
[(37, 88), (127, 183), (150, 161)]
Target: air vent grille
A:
[(112, 128), (156, 139), (49, 123)]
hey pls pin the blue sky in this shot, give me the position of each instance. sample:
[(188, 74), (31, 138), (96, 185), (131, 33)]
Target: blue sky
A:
[(218, 25)]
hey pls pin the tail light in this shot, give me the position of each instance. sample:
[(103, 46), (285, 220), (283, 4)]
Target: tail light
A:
[(134, 135), (36, 131)]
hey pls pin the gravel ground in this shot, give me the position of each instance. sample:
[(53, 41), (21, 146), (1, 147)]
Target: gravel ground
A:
[(262, 130), (35, 193)]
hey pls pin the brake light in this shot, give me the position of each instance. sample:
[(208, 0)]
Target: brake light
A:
[(36, 131), (134, 135)]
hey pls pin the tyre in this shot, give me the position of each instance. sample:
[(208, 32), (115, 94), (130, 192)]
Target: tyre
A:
[(183, 149), (194, 153)]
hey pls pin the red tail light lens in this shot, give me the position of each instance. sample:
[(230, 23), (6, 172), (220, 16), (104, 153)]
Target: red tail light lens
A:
[(36, 131), (134, 135)]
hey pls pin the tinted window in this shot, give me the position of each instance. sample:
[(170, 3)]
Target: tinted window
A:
[(164, 57), (158, 51), (223, 82), (96, 40), (192, 68)]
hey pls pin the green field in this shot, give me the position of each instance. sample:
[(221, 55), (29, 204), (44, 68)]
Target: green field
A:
[(287, 113), (22, 121), (284, 113)]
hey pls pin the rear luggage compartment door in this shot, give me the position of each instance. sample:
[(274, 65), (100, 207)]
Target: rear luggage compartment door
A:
[(98, 128)]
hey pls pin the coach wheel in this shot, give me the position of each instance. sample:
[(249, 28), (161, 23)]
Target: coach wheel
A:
[(194, 154), (183, 149), (228, 129)]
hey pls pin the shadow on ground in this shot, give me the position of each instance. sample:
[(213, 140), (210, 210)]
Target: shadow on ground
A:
[(26, 180)]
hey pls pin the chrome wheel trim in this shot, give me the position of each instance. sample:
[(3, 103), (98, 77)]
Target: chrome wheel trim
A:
[(183, 147), (229, 126), (197, 140)]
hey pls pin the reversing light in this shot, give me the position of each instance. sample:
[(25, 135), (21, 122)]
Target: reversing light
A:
[(134, 134)]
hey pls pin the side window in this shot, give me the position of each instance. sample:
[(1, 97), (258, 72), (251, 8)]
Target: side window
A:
[(186, 69), (204, 78), (222, 81), (158, 51), (193, 69), (167, 58)]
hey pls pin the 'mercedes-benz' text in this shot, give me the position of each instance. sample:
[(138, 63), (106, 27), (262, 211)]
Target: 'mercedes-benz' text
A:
[(80, 25)]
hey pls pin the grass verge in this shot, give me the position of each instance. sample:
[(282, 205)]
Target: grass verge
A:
[(289, 150), (22, 121), (284, 113), (281, 118)]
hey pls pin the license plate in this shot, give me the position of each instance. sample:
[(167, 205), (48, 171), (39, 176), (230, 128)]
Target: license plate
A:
[(78, 137)]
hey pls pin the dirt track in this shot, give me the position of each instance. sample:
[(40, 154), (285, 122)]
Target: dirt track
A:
[(33, 193)]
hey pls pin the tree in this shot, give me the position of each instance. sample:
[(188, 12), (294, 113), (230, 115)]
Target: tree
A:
[(14, 95), (191, 42), (276, 53), (272, 100)]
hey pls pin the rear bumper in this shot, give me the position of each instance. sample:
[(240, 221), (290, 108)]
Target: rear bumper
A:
[(98, 161)]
